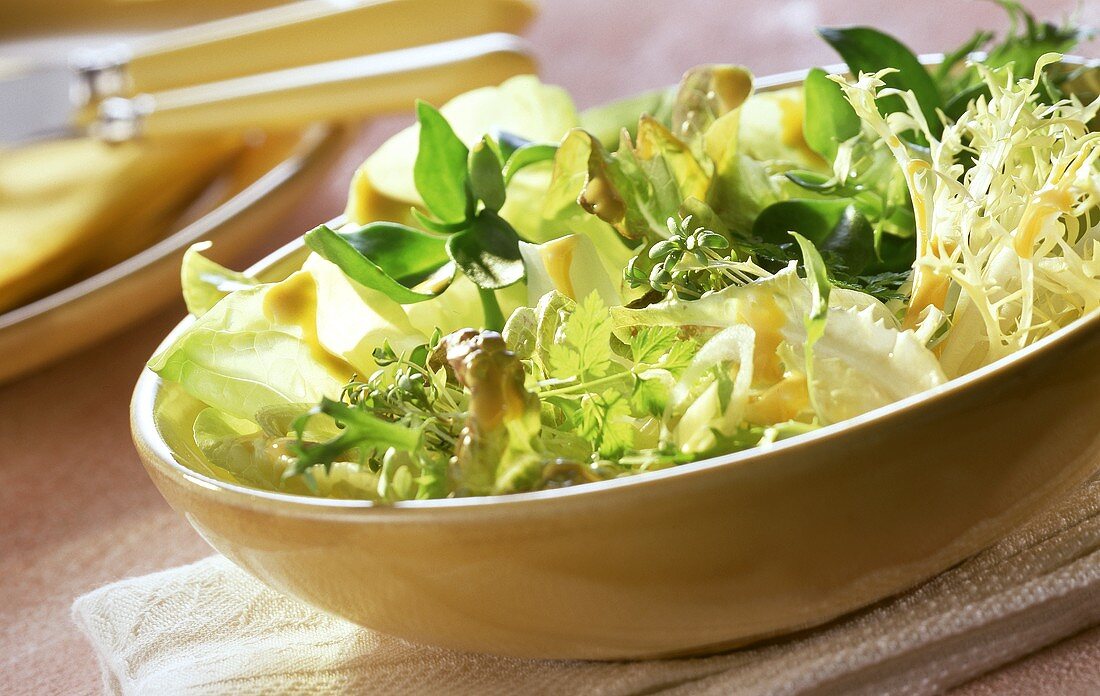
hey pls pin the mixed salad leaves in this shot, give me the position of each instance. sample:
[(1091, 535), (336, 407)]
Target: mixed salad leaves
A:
[(525, 297)]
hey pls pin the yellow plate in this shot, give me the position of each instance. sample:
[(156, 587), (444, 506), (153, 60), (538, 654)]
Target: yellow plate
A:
[(688, 560), (243, 202)]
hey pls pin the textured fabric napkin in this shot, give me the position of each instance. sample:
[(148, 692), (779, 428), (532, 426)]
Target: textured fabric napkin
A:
[(209, 628)]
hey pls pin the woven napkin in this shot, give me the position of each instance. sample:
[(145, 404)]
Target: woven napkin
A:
[(209, 628)]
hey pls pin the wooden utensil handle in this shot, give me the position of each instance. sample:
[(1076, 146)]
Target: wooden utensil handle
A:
[(309, 32), (339, 91)]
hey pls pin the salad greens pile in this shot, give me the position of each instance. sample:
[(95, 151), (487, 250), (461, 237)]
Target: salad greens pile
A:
[(522, 296)]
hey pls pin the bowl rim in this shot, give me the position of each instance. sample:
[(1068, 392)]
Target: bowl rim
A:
[(159, 454)]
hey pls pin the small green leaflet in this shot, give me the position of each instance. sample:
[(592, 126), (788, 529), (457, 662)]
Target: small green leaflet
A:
[(405, 254), (834, 225), (661, 346), (869, 50), (1027, 41), (828, 119), (527, 155), (486, 180), (819, 288), (440, 171), (488, 252), (650, 396), (586, 348), (605, 422)]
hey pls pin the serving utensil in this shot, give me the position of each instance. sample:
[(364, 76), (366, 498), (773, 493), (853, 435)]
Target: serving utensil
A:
[(40, 101), (336, 91)]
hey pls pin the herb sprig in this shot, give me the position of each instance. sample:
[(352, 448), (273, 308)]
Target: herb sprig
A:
[(463, 190)]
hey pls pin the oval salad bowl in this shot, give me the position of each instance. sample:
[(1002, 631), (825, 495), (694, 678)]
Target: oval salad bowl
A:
[(693, 559), (688, 560)]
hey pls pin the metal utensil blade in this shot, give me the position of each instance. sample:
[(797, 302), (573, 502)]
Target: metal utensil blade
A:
[(35, 104)]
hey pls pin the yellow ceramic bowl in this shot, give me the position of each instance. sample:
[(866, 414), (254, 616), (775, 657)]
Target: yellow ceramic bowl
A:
[(687, 560)]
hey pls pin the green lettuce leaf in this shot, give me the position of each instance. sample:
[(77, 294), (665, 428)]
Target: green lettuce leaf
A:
[(206, 282), (560, 209), (635, 189), (706, 94), (607, 121), (353, 320), (240, 357), (521, 106)]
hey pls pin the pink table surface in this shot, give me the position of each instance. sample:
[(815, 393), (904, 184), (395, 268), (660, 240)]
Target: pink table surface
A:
[(76, 509)]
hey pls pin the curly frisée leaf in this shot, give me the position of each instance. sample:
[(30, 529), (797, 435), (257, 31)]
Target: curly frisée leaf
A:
[(818, 313), (860, 364), (857, 345), (1013, 234), (718, 409), (1027, 41)]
